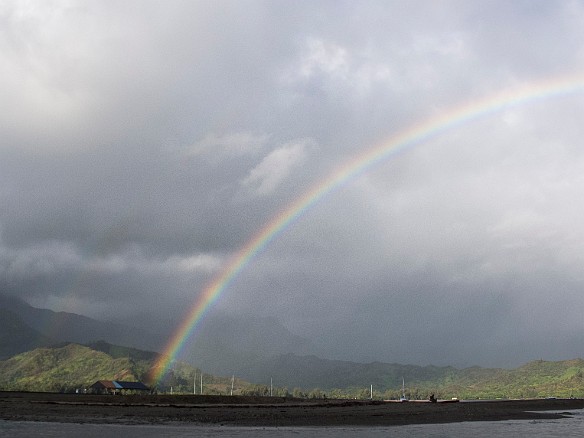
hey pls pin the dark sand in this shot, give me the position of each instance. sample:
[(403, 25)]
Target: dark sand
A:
[(264, 411)]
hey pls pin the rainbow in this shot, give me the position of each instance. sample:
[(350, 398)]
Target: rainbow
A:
[(415, 135)]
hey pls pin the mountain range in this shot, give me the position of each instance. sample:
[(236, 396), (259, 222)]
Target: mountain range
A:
[(30, 359), (224, 345)]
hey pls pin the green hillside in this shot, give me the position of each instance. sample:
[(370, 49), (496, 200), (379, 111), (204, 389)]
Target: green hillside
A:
[(73, 366), (34, 363), (310, 374), (560, 379), (65, 368), (535, 379)]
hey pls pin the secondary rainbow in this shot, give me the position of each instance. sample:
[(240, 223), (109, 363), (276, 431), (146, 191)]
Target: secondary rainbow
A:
[(415, 135)]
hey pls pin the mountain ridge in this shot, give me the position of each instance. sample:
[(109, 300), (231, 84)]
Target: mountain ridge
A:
[(224, 344), (16, 336), (65, 368), (72, 327), (307, 372)]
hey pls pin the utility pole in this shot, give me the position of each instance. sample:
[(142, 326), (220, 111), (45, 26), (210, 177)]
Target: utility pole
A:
[(201, 383), (232, 379), (371, 392), (195, 384), (270, 386)]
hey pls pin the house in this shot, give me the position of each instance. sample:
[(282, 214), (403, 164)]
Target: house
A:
[(115, 386)]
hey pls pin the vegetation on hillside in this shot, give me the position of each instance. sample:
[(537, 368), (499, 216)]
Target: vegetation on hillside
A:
[(65, 369), (72, 366), (536, 379)]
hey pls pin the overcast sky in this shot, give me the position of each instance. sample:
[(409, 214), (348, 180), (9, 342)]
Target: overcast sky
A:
[(142, 143)]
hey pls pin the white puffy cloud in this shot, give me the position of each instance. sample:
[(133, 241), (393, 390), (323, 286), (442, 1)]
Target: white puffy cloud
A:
[(276, 167)]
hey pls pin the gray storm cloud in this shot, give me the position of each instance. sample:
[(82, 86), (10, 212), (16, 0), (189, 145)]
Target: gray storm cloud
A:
[(144, 143)]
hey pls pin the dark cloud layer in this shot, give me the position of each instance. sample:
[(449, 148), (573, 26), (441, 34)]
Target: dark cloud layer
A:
[(143, 143)]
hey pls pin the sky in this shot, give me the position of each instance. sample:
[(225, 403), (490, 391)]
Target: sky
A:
[(143, 143)]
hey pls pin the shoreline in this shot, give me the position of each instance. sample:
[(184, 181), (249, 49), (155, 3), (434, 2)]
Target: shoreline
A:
[(265, 411)]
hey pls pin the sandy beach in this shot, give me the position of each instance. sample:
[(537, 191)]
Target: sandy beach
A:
[(264, 411)]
